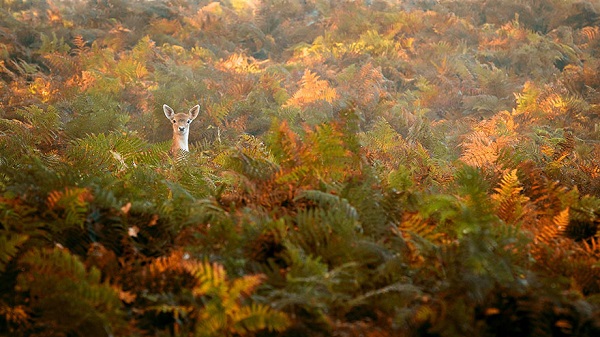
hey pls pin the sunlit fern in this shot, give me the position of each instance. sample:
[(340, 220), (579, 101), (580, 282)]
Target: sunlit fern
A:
[(223, 307), (510, 202), (312, 89)]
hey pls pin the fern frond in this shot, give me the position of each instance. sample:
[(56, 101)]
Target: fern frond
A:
[(545, 194), (9, 246), (374, 210), (40, 128), (297, 174), (53, 44), (327, 200), (70, 205), (479, 150), (327, 154), (481, 103), (527, 100), (80, 45), (251, 159), (591, 33), (163, 264), (211, 277), (550, 231), (144, 154), (113, 152), (95, 113), (585, 273), (257, 317), (61, 64), (564, 147), (222, 309), (364, 87), (177, 310), (592, 247), (561, 221), (312, 89), (312, 234), (285, 145), (61, 291), (414, 225), (245, 285), (130, 70), (509, 200), (17, 140)]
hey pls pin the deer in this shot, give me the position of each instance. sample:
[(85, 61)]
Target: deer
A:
[(181, 127)]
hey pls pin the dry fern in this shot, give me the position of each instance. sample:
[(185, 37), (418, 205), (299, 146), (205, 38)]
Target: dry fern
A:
[(550, 231), (312, 89), (509, 198)]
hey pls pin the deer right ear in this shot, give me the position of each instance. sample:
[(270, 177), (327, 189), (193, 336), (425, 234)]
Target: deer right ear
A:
[(169, 112), (194, 112)]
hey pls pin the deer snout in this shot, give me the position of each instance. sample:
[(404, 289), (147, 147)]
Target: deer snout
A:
[(181, 128)]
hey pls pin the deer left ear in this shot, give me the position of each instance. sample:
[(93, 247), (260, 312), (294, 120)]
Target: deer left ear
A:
[(194, 112), (168, 111)]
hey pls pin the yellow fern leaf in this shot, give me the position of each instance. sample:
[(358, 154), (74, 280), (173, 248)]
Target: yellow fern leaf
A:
[(160, 265), (591, 33), (312, 89), (549, 232), (413, 224), (561, 220), (509, 199), (479, 150), (211, 276)]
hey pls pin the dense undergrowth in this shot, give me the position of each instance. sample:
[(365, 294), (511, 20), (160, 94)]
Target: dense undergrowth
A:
[(359, 168)]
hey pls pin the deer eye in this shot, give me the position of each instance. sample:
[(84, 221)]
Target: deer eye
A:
[(189, 121), (174, 121)]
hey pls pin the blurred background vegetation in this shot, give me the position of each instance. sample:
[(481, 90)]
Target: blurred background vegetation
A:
[(358, 168)]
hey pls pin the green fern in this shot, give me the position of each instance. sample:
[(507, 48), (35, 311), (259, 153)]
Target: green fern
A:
[(327, 231), (45, 123), (327, 200), (113, 152), (373, 216), (37, 129), (310, 287), (53, 44), (66, 298), (257, 317), (481, 103), (9, 247), (69, 207), (250, 158), (93, 114)]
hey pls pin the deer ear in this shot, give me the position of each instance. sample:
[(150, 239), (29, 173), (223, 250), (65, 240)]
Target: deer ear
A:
[(168, 111), (194, 112)]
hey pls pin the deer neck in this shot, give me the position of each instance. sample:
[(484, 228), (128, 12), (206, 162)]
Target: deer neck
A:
[(180, 142)]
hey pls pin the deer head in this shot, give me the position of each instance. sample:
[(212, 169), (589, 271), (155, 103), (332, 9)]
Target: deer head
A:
[(181, 126)]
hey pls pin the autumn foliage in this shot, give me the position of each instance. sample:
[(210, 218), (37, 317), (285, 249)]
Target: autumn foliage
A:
[(358, 168)]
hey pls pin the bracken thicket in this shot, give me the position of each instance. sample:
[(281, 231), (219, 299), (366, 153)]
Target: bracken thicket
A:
[(358, 168)]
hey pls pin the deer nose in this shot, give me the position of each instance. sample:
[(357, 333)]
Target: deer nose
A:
[(182, 128)]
